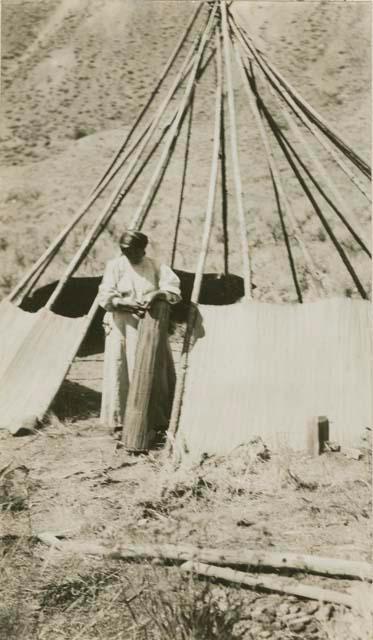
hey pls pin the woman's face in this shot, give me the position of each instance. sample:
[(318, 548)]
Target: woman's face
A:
[(134, 254)]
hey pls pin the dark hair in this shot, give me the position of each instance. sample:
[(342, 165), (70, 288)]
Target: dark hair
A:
[(133, 239)]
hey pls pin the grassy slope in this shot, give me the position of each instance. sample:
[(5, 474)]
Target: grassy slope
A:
[(73, 68)]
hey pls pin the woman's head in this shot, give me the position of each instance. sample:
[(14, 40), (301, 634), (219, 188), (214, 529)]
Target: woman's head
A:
[(133, 245)]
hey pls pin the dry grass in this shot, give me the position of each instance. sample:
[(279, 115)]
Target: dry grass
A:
[(81, 487)]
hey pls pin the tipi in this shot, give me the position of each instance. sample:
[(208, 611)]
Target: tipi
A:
[(252, 368)]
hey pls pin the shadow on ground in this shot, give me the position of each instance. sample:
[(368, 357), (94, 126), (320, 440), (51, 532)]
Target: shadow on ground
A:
[(76, 402)]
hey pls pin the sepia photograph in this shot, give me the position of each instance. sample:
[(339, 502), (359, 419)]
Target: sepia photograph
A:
[(185, 320)]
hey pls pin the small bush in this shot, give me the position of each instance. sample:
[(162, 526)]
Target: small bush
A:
[(198, 612), (321, 235), (82, 132)]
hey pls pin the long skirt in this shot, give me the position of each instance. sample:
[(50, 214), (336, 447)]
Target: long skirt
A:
[(119, 362)]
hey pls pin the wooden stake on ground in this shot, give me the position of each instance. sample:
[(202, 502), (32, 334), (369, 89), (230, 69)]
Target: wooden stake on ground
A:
[(272, 584), (317, 435)]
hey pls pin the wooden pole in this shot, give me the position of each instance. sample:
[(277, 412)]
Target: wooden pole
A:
[(154, 92), (340, 215), (142, 404), (235, 160), (136, 433), (104, 218), (224, 189), (150, 127), (244, 558), (271, 82), (183, 181), (163, 161), (183, 364), (116, 198), (313, 115), (316, 280), (341, 211), (301, 108), (286, 148), (271, 584)]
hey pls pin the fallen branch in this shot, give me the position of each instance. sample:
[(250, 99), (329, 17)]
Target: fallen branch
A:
[(242, 558), (269, 584)]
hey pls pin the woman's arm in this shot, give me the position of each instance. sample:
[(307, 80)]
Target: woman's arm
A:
[(109, 296), (169, 286), (107, 291)]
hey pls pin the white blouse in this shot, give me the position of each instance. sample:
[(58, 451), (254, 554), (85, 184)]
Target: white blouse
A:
[(136, 282)]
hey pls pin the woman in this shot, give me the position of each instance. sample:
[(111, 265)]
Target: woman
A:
[(130, 284)]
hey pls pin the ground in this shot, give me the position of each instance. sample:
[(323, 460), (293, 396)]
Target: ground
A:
[(75, 74), (72, 481)]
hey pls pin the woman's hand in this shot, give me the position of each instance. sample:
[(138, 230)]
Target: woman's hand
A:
[(156, 295), (130, 305)]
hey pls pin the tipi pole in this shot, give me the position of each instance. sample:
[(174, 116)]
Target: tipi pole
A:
[(183, 364), (313, 115), (144, 137), (224, 189), (183, 181), (357, 231), (301, 113), (127, 187), (117, 197), (213, 182), (154, 92), (163, 161), (276, 177), (280, 138), (333, 206), (235, 160), (136, 434), (148, 125)]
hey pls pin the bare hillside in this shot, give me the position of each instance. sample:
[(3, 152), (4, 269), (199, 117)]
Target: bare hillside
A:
[(76, 73)]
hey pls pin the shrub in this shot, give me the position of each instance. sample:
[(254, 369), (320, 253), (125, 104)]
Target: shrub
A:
[(82, 132)]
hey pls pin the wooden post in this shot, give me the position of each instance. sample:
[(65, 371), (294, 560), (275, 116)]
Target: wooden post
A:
[(147, 389), (323, 432), (317, 435)]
